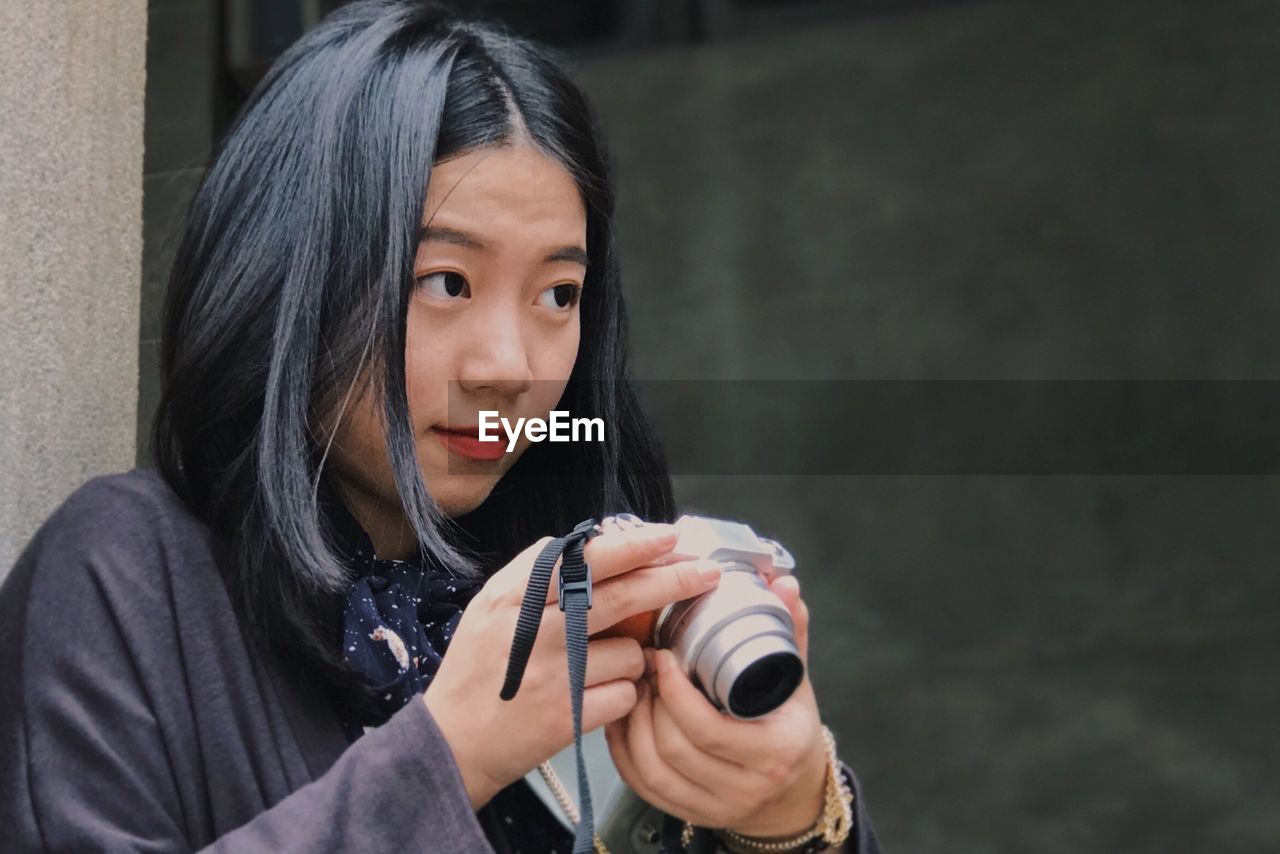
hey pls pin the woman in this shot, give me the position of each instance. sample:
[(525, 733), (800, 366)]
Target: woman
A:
[(409, 223)]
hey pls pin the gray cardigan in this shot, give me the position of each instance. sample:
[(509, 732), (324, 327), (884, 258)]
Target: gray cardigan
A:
[(137, 716)]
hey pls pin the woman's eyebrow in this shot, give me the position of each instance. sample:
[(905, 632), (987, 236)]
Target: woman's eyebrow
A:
[(442, 234), (451, 235), (567, 253)]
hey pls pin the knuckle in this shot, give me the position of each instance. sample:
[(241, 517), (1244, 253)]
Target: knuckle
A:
[(612, 597), (612, 544), (777, 772), (688, 578), (644, 543), (634, 659)]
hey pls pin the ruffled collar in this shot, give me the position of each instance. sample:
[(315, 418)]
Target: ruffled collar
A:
[(397, 622)]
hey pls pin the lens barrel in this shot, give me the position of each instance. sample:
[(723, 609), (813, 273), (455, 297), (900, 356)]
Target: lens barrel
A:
[(737, 642)]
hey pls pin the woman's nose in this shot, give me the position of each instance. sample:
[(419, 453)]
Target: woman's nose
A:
[(496, 358)]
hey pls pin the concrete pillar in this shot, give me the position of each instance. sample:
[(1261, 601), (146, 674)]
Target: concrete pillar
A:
[(71, 117)]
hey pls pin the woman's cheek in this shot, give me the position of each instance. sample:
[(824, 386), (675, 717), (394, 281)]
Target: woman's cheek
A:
[(557, 355), (427, 387)]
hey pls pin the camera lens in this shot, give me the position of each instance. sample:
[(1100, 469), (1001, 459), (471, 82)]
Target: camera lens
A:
[(765, 684), (738, 643)]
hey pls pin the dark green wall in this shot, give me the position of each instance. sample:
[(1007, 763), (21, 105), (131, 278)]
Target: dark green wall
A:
[(998, 190), (1032, 191)]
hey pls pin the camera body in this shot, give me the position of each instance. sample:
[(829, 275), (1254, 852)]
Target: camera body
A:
[(737, 642)]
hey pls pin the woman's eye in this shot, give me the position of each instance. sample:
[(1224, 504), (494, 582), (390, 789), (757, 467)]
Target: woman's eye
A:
[(445, 284), (560, 296)]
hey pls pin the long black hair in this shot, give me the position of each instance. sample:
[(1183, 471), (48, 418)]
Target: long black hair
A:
[(292, 281)]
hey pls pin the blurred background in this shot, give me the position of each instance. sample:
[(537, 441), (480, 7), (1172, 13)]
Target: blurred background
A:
[(897, 190)]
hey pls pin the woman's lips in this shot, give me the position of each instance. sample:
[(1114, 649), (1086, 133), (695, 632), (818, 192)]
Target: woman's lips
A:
[(465, 442)]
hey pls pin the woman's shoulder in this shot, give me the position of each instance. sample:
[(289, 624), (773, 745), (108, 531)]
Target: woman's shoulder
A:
[(140, 491), (134, 510), (114, 535)]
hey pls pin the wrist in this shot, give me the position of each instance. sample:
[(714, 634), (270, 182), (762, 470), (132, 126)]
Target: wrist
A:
[(829, 832), (480, 786), (800, 806)]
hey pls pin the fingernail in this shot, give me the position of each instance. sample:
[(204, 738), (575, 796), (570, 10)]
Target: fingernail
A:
[(711, 573), (663, 660)]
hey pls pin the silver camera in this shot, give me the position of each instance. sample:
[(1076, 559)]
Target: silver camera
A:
[(737, 643)]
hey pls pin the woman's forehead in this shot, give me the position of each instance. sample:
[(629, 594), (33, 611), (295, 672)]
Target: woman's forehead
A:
[(497, 189)]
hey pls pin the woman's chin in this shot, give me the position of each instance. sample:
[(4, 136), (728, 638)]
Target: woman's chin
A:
[(459, 494), (460, 485)]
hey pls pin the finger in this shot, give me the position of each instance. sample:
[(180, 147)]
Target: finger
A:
[(615, 736), (705, 769), (639, 591), (615, 732), (706, 726), (611, 553), (787, 588), (650, 588), (614, 658), (616, 550), (657, 774), (607, 702)]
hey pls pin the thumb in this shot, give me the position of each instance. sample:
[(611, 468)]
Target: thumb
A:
[(787, 588)]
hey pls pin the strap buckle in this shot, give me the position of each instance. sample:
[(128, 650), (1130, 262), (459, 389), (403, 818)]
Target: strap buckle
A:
[(584, 531), (583, 584)]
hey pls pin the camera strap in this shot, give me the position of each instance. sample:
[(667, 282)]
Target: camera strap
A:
[(575, 600)]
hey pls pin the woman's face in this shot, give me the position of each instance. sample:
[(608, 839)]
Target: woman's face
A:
[(493, 325)]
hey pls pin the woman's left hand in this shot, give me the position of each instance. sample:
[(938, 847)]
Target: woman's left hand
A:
[(763, 777)]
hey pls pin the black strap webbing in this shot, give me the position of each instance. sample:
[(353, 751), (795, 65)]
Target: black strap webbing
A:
[(575, 601)]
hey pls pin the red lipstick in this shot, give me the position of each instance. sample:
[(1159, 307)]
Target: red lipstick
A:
[(465, 442)]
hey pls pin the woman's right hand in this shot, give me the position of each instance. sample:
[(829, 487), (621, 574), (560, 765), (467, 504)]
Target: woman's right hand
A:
[(496, 742)]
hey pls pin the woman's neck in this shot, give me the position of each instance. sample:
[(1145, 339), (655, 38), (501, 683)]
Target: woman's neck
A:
[(392, 536)]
